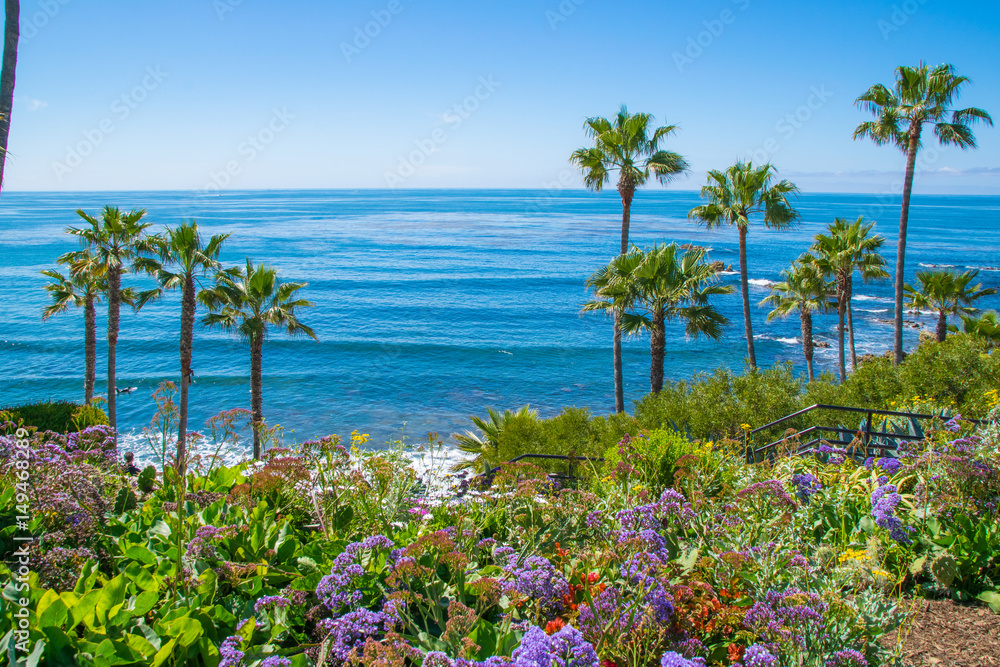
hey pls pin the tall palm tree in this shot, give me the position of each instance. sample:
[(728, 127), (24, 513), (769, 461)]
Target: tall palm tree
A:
[(11, 33), (486, 447), (182, 248), (669, 284), (82, 290), (948, 293), (734, 196), (249, 301), (119, 246), (803, 289), (920, 96), (846, 248), (626, 145)]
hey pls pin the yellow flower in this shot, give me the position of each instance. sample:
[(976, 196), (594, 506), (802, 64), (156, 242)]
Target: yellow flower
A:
[(745, 427)]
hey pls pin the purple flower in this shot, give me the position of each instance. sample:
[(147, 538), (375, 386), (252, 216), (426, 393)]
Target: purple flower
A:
[(276, 661), (538, 579), (806, 485), (339, 589), (759, 656), (268, 601), (354, 628), (671, 659), (848, 658), (566, 648), (885, 499), (230, 653)]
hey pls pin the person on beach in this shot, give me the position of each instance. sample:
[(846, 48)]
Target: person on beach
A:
[(130, 467)]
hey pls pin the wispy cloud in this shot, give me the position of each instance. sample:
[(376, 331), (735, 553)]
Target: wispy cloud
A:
[(33, 104)]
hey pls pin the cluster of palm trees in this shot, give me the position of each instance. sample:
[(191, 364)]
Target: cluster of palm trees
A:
[(629, 145), (246, 300)]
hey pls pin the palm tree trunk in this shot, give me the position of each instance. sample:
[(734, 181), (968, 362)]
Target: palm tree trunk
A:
[(850, 323), (187, 339), (745, 284), (11, 33), (256, 403), (942, 326), (627, 191), (657, 346), (619, 380), (841, 308), (807, 341), (90, 336), (904, 217), (114, 306)]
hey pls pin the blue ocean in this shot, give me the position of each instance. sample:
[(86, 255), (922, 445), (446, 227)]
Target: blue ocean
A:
[(432, 305)]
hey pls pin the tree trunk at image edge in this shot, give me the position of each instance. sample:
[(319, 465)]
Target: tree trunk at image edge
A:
[(807, 341), (256, 403), (850, 323), (942, 326), (841, 310), (187, 338), (657, 346), (90, 335), (745, 284), (11, 34), (619, 380), (114, 305), (911, 161)]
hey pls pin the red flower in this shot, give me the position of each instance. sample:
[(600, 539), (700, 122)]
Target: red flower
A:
[(735, 653), (608, 663), (555, 626), (593, 578)]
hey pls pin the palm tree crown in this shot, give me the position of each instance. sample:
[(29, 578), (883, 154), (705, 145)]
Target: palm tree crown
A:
[(803, 290)]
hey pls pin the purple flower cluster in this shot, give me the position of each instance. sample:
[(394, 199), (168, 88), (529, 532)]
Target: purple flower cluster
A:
[(889, 466), (605, 614), (671, 659), (566, 648), (885, 499), (276, 661), (538, 579), (788, 615), (439, 659), (671, 509), (772, 491), (806, 485), (269, 601), (230, 653), (337, 590), (201, 547), (354, 628), (849, 658), (758, 655)]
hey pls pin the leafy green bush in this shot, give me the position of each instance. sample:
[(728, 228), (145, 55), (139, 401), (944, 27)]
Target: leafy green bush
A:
[(58, 416), (958, 370)]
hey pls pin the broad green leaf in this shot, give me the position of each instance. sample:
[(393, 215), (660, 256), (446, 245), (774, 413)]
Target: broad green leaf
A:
[(992, 598), (141, 554)]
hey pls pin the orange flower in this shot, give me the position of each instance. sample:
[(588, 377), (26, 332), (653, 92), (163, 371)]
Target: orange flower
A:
[(555, 626), (735, 653)]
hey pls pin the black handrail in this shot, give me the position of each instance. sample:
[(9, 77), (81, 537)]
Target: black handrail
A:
[(867, 435)]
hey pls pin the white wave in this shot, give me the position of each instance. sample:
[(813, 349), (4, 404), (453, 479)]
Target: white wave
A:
[(938, 266), (866, 297), (729, 273), (777, 339), (873, 310), (984, 268), (760, 282)]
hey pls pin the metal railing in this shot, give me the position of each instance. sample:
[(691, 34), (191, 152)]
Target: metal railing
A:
[(865, 434), (570, 468)]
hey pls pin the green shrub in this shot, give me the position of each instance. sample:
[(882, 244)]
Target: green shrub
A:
[(58, 416), (958, 370), (649, 460)]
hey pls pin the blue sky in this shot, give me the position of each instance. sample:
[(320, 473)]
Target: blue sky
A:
[(249, 94)]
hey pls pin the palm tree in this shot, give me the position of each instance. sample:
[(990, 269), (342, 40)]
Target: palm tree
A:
[(846, 248), (182, 247), (82, 290), (486, 447), (667, 285), (11, 33), (118, 244), (803, 289), (627, 146), (247, 302), (733, 197), (920, 95), (986, 327), (948, 293)]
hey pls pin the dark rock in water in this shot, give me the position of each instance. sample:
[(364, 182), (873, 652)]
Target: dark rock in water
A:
[(821, 343), (729, 268), (718, 266), (691, 246)]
